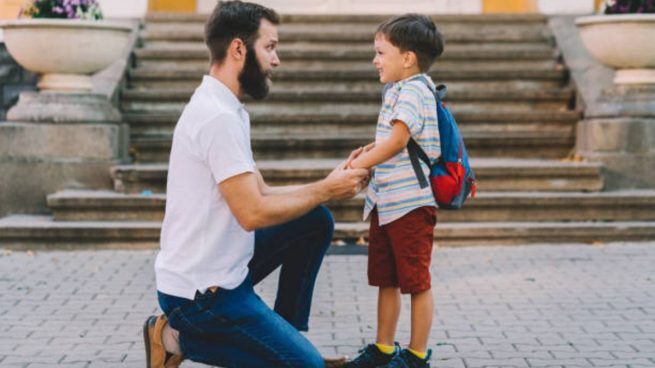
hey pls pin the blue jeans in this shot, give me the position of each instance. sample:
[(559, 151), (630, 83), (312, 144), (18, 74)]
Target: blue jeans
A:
[(235, 328)]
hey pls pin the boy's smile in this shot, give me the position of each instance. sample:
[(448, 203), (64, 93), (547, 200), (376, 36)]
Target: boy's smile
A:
[(392, 63)]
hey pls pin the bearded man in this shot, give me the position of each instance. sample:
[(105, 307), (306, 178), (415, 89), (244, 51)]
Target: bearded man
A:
[(225, 229)]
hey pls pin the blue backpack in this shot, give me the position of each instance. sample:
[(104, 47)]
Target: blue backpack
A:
[(451, 176)]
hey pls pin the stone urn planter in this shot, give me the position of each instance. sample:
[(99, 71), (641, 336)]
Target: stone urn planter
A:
[(625, 42), (65, 52)]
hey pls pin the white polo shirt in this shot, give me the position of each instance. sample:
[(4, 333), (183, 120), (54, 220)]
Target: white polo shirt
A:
[(202, 244)]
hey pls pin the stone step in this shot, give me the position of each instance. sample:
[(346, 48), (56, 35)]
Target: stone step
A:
[(360, 32), (502, 19), (143, 124), (455, 73), (492, 175), (522, 233), (194, 52), (553, 145), (316, 106), (357, 85), (86, 205), (200, 66), (42, 233), (371, 93)]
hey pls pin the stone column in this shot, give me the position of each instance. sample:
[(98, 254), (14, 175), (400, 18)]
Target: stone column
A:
[(619, 130), (54, 141), (618, 127)]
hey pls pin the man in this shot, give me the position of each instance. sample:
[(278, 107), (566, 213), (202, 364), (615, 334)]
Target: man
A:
[(225, 229)]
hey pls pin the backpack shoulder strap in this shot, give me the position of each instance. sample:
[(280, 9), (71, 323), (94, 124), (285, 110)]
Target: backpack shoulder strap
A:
[(415, 153)]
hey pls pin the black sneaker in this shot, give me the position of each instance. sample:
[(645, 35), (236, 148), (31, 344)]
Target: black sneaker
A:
[(372, 357), (406, 359)]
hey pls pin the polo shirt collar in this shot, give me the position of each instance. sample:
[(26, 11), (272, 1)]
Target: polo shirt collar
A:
[(221, 92)]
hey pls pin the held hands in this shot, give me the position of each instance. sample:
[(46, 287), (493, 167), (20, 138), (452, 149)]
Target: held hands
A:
[(344, 182), (356, 153)]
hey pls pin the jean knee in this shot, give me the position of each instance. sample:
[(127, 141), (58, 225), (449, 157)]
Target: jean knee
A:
[(324, 217)]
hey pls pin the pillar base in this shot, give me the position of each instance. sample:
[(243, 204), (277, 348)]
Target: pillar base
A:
[(66, 108)]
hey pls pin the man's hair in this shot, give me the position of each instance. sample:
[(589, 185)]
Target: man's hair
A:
[(234, 19), (416, 33)]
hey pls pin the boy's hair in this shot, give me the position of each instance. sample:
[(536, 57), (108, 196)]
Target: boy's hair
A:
[(234, 19), (416, 33)]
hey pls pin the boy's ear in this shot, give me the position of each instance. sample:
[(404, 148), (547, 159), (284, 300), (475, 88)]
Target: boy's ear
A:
[(409, 59)]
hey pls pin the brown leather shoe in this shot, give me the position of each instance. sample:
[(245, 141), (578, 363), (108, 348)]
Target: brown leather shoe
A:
[(156, 355), (331, 362)]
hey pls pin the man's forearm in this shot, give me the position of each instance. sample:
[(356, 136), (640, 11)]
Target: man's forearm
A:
[(284, 204), (284, 189)]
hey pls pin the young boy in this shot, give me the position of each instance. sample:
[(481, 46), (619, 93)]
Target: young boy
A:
[(403, 215)]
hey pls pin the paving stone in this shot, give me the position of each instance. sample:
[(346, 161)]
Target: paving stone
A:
[(85, 308)]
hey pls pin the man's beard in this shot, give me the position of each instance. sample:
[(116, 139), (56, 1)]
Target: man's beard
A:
[(253, 79)]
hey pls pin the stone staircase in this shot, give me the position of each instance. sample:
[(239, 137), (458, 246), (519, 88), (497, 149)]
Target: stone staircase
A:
[(507, 89)]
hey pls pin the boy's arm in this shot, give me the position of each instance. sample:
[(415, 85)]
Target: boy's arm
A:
[(386, 149)]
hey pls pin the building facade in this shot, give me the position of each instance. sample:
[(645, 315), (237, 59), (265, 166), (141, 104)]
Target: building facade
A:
[(134, 8)]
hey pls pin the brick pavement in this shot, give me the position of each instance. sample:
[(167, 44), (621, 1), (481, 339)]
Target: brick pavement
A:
[(532, 306)]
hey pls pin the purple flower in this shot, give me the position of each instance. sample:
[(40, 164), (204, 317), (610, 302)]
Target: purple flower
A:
[(70, 9)]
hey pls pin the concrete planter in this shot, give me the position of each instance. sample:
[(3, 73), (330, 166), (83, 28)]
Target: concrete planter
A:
[(65, 52), (624, 42)]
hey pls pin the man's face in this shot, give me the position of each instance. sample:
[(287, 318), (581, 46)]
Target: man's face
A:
[(261, 59)]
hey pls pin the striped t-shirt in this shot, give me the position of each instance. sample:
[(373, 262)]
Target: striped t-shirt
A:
[(394, 188)]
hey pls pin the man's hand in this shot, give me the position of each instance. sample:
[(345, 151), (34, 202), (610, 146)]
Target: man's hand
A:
[(344, 184)]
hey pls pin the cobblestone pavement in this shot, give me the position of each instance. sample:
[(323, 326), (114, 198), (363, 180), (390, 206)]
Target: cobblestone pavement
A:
[(532, 306)]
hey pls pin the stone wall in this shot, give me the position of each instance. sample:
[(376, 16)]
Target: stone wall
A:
[(13, 80)]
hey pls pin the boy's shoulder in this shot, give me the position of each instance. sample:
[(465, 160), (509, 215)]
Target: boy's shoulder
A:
[(420, 84)]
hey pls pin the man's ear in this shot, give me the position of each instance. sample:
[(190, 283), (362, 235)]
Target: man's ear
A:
[(237, 49), (409, 59)]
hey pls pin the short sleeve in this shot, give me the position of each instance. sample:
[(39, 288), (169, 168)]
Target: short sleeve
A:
[(407, 108), (224, 146)]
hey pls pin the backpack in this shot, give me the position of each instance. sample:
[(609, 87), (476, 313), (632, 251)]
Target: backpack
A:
[(451, 176)]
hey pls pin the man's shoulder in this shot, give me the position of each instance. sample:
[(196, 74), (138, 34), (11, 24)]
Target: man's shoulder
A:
[(204, 113)]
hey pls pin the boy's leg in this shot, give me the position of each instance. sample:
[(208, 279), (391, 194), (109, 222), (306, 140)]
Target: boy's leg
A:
[(299, 247), (388, 313), (381, 273), (234, 328), (411, 237), (422, 312)]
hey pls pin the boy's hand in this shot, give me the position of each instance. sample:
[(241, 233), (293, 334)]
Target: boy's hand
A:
[(369, 147), (353, 155)]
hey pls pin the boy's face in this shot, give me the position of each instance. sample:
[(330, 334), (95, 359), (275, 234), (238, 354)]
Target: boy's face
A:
[(389, 60)]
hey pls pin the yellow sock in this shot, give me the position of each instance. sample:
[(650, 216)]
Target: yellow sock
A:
[(420, 355), (386, 348)]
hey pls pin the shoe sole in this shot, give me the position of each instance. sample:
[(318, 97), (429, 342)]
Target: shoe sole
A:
[(146, 340)]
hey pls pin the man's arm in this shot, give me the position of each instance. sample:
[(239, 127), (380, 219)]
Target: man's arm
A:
[(385, 150), (255, 210), (265, 189)]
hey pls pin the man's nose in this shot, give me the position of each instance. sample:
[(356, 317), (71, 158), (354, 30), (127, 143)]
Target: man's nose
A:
[(275, 61)]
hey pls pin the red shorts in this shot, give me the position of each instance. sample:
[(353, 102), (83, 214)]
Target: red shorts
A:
[(399, 252)]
